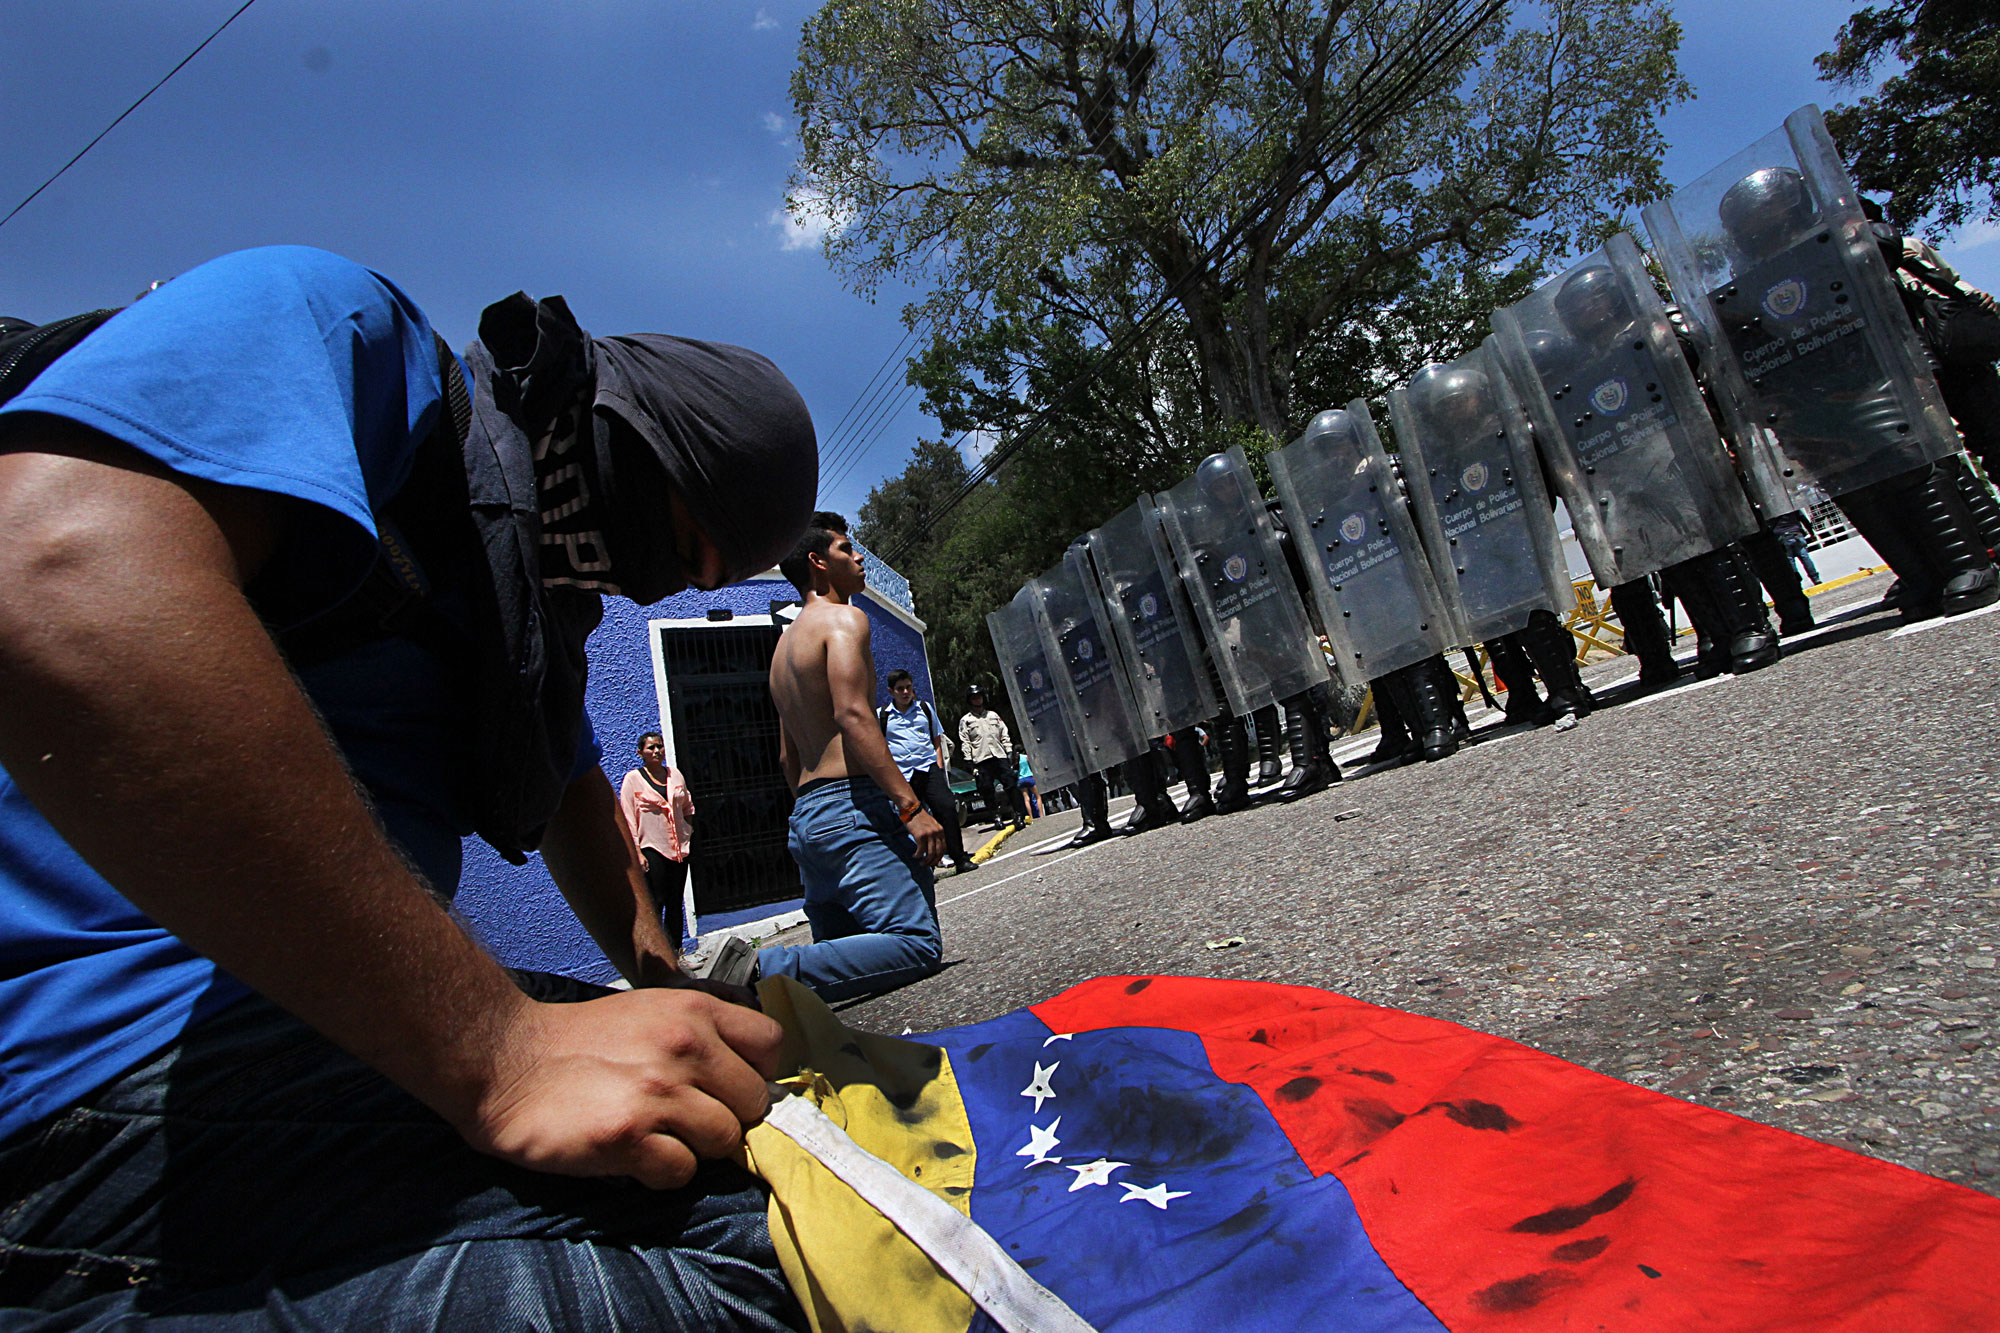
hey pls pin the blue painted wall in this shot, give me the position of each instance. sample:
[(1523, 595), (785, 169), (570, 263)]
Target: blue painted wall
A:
[(516, 911)]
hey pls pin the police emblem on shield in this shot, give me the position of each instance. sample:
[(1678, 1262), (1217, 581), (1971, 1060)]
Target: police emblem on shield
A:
[(1149, 606), (1353, 527), (1786, 299), (1085, 650), (1234, 568), (1610, 397), (1474, 477)]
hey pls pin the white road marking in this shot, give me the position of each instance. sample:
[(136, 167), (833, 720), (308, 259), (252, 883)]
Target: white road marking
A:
[(1678, 690), (1923, 625), (1025, 873)]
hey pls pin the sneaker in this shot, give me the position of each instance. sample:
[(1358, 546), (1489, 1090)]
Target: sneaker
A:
[(733, 962)]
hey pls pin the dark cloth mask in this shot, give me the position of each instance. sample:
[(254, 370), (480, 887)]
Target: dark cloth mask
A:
[(623, 424)]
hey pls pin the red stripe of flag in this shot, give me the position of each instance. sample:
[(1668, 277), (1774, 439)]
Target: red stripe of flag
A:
[(1510, 1189)]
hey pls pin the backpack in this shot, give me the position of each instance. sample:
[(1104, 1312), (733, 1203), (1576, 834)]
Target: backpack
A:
[(26, 350), (523, 664), (882, 716)]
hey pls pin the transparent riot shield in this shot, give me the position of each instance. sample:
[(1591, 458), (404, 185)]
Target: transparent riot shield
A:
[(1031, 688), (1103, 719), (1469, 454), (1619, 418), (1378, 598), (1150, 620), (1241, 589), (1817, 368)]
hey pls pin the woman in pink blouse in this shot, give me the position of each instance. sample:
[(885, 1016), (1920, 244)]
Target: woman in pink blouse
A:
[(660, 812)]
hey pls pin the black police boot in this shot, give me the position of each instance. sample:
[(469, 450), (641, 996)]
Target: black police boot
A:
[(1883, 512), (1313, 768), (1553, 651), (1394, 744), (1646, 635), (1517, 676), (1752, 642), (1269, 766), (1191, 761), (1780, 577), (1948, 527), (1092, 799), (1979, 501), (1233, 792), (1429, 719), (1690, 582), (1152, 809)]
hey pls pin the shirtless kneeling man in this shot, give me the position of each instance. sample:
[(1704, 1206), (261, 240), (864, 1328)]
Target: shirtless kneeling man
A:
[(864, 843)]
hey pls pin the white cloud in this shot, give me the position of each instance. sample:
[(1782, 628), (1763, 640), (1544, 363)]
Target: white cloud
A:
[(1977, 235), (763, 22), (775, 123), (807, 227)]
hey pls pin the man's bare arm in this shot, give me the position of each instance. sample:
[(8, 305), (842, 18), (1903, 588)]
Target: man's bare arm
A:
[(594, 859), (127, 646), (850, 682)]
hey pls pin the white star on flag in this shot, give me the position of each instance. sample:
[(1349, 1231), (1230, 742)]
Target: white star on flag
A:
[(1060, 1036), (1040, 1089), (1094, 1173), (1039, 1142), (1157, 1195)]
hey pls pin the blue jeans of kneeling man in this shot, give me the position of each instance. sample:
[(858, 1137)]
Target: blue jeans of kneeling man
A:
[(871, 902), (253, 1176)]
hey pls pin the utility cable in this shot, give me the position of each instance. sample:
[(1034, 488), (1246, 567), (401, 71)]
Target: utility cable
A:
[(126, 112), (1399, 80)]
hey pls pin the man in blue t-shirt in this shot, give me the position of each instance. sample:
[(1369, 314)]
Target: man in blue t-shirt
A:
[(246, 1054), (916, 743)]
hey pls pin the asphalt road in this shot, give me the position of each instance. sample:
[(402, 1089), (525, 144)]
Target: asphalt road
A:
[(1773, 894)]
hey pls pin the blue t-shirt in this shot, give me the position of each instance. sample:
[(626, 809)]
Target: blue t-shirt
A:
[(287, 370), (910, 734)]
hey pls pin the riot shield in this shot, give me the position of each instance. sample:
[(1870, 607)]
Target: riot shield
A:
[(1476, 485), (1813, 360), (1148, 614), (1241, 589), (1378, 598), (1031, 688), (1103, 720), (1619, 418)]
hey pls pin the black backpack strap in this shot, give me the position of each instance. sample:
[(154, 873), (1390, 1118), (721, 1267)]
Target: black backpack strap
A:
[(26, 350), (411, 548)]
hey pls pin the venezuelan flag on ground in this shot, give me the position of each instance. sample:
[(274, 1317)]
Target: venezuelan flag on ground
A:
[(1168, 1153)]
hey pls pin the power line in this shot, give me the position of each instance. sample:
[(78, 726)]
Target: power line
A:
[(1457, 29), (834, 471), (126, 112)]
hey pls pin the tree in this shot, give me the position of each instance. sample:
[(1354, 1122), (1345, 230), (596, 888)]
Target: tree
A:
[(1929, 137), (895, 508), (1278, 172)]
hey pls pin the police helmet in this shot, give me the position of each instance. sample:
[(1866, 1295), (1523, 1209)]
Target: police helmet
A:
[(1592, 304), (1765, 210), (1216, 476), (1455, 399)]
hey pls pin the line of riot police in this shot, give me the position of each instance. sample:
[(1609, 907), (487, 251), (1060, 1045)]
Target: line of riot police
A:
[(1207, 604)]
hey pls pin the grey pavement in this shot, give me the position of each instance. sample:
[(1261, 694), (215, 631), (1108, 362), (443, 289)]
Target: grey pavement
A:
[(1774, 894)]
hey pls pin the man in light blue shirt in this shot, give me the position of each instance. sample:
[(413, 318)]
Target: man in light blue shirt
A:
[(916, 743)]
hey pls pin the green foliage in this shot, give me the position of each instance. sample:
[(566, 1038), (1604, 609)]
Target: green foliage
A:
[(1056, 170), (1929, 138)]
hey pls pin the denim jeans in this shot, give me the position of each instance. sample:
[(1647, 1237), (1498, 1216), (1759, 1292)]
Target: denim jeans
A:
[(254, 1176), (871, 902)]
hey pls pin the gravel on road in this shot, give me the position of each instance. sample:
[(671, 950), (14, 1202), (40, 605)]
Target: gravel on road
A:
[(1774, 894)]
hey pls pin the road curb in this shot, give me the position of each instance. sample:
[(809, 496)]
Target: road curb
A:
[(985, 854)]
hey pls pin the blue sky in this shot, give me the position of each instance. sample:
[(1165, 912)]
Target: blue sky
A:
[(629, 154)]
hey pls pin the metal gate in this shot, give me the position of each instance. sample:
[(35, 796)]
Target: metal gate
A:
[(722, 733)]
